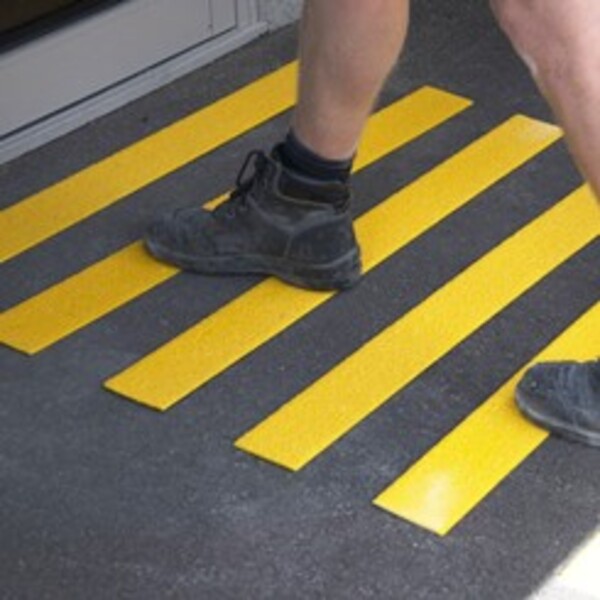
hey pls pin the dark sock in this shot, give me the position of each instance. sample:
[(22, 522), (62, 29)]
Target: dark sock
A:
[(295, 156)]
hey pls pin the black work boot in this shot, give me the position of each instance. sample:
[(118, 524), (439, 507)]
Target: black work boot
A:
[(275, 222), (564, 397)]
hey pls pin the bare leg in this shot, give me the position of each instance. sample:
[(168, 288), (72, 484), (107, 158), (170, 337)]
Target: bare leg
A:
[(560, 42), (292, 218), (347, 49)]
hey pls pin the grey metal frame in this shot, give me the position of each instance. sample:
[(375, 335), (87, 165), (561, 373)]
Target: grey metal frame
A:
[(61, 81)]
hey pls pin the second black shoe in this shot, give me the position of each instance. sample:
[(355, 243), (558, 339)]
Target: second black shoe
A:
[(275, 222), (563, 397)]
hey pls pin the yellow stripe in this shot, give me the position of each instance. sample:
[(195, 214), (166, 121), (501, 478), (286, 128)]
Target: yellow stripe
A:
[(166, 376), (68, 306), (330, 407), (52, 210), (451, 479)]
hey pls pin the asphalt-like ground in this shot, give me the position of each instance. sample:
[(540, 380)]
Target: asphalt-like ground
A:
[(103, 498)]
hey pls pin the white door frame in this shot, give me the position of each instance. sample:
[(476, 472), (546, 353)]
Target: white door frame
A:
[(88, 68)]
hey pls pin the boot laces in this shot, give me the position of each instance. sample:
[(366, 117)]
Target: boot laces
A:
[(244, 183)]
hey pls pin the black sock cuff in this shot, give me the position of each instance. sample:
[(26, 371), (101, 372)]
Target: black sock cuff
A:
[(296, 156)]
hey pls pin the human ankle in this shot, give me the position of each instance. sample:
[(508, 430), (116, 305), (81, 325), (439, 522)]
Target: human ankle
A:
[(297, 157)]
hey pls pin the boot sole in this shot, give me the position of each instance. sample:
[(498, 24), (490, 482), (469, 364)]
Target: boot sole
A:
[(569, 432), (341, 274)]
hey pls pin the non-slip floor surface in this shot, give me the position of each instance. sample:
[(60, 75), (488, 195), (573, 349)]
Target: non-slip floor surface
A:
[(166, 435)]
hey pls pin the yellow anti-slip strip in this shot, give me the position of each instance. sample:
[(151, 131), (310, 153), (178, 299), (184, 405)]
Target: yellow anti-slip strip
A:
[(166, 376), (52, 210), (453, 477), (94, 292), (334, 404)]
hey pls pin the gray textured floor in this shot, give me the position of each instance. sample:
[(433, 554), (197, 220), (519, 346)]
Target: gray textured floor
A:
[(103, 499)]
